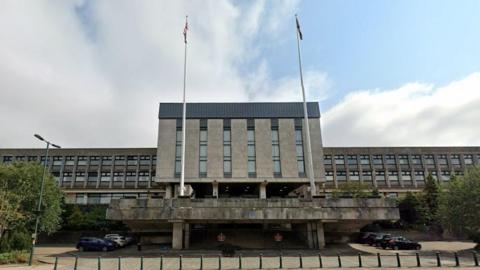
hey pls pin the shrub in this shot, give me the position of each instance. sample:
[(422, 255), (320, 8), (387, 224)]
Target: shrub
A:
[(13, 257)]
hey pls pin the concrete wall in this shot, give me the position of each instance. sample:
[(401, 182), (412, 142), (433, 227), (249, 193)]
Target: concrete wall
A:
[(166, 149), (239, 148), (263, 148), (288, 156), (215, 148)]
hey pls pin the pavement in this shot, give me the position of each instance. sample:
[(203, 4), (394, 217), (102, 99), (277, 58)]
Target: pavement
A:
[(131, 258)]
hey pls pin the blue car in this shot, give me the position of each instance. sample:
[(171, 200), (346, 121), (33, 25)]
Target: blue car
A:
[(93, 243)]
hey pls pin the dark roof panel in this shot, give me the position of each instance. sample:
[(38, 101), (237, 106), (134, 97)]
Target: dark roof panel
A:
[(239, 110)]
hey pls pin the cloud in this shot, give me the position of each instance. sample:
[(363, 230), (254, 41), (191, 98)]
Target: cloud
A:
[(91, 73), (416, 114)]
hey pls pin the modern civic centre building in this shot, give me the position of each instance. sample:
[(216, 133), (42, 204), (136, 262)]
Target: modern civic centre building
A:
[(245, 176)]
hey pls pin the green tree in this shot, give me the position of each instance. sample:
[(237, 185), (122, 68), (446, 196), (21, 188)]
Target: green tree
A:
[(20, 184), (408, 207), (354, 190), (460, 203)]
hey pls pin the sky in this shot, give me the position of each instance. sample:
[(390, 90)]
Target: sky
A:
[(386, 73)]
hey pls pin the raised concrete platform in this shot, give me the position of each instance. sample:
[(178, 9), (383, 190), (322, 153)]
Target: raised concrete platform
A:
[(252, 210)]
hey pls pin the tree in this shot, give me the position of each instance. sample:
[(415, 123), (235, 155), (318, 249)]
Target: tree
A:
[(460, 203), (20, 184), (353, 190), (408, 208)]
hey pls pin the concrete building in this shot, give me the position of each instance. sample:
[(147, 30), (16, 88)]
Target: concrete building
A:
[(246, 178)]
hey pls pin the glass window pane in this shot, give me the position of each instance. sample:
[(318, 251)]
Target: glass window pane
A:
[(251, 150), (301, 166), (274, 135), (227, 167), (203, 150), (226, 135), (298, 135), (251, 135), (276, 166), (251, 166), (203, 135), (299, 151), (227, 151), (203, 166), (275, 150)]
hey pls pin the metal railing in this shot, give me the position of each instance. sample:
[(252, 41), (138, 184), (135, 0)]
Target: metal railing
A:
[(260, 261)]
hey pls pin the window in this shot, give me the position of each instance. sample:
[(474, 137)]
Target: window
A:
[(92, 176), (227, 152), (117, 176), (80, 198), (20, 158), (416, 160), (105, 198), (429, 160), (390, 159), (131, 176), (403, 159), (69, 160), (419, 177), (341, 176), (407, 178), (364, 160), (144, 160), (32, 158), (251, 152), (339, 160), (329, 176), (434, 175), (299, 152), (178, 151), (445, 175), (42, 160), (276, 153), (377, 160), (132, 160), (106, 160), (7, 159), (380, 177), (442, 159), (203, 152), (354, 176), (455, 159), (94, 160), (393, 177), (327, 159), (352, 160), (105, 176), (79, 176), (367, 176), (82, 161), (67, 176), (143, 176), (57, 161), (93, 198), (119, 160), (468, 159)]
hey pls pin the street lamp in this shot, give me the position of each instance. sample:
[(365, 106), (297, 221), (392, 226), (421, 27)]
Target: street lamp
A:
[(41, 193)]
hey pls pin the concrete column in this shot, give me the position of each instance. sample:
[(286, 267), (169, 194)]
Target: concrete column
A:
[(263, 190), (215, 189), (168, 191), (310, 235), (320, 235), (186, 239), (177, 235)]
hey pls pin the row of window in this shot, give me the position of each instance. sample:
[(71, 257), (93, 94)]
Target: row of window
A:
[(105, 198), (103, 177), (392, 176), (87, 160), (442, 159)]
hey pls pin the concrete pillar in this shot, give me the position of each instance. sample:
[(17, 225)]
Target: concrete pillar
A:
[(177, 235), (168, 191), (186, 239), (310, 235), (263, 190), (215, 189), (320, 235)]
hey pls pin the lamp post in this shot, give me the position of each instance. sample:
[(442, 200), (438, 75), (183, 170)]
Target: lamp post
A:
[(41, 193)]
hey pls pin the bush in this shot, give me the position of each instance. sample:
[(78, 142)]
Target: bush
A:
[(19, 239), (13, 257)]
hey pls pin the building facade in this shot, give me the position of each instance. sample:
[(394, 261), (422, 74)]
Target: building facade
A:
[(246, 177)]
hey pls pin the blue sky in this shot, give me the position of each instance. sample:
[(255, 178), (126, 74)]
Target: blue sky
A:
[(383, 44), (386, 73)]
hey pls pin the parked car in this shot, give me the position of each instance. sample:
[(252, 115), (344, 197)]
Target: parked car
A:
[(363, 238), (119, 240), (93, 243), (371, 238), (402, 243), (381, 237)]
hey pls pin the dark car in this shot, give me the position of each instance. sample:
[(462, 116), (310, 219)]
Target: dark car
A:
[(93, 243), (364, 237), (370, 238), (402, 243), (382, 237)]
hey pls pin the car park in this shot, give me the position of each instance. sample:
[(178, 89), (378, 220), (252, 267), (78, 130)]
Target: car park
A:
[(93, 243), (400, 242)]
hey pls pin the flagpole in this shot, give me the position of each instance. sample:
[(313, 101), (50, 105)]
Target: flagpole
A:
[(184, 115), (313, 189)]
